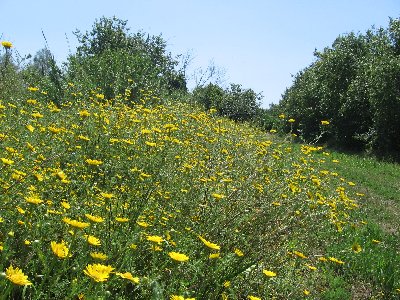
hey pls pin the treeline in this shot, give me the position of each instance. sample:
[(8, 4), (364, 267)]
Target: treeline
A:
[(113, 62), (355, 85), (109, 61)]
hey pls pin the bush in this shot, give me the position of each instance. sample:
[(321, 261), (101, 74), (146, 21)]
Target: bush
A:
[(234, 103), (209, 96), (355, 85), (11, 84), (109, 58), (44, 72)]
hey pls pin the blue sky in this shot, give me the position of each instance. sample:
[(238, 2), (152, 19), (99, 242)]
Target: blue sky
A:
[(259, 44)]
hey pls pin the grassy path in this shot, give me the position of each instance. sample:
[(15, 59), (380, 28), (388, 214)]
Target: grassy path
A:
[(381, 182)]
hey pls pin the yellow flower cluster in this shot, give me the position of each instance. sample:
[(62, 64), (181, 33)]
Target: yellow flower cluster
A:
[(165, 191), (6, 44)]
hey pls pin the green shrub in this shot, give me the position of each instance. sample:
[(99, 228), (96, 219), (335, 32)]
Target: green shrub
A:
[(235, 103), (109, 57), (353, 85)]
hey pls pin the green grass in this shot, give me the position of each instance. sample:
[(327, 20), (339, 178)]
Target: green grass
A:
[(378, 264), (176, 203), (381, 183)]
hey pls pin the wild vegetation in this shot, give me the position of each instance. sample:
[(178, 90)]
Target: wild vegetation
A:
[(355, 85), (123, 187)]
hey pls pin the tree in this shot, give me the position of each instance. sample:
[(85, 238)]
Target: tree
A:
[(239, 104), (43, 71), (209, 96), (108, 56), (42, 62), (355, 84)]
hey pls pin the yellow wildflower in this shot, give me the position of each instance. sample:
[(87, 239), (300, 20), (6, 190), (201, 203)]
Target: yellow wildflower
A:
[(322, 259), (238, 252), (155, 238), (250, 297), (30, 127), (143, 224), (92, 240), (299, 254), (61, 175), (98, 255), (178, 256), (16, 276), (39, 177), (84, 113), (128, 275), (75, 223), (218, 196), (176, 297), (60, 249), (96, 219), (214, 255), (269, 273), (33, 199), (37, 115), (146, 131), (209, 244), (83, 138), (54, 130), (335, 260), (93, 162), (20, 210), (98, 272), (66, 205), (324, 122), (107, 195), (7, 161), (311, 267), (6, 44)]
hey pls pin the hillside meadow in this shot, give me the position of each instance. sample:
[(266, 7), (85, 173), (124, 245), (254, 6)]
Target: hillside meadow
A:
[(157, 199)]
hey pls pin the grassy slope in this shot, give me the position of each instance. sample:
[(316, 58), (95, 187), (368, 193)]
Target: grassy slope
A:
[(380, 210), (381, 182), (160, 176)]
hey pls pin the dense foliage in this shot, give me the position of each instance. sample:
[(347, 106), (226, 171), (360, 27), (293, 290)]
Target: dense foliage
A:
[(105, 198), (109, 55), (234, 103), (355, 84)]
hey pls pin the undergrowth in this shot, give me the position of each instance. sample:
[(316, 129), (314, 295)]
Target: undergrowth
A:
[(159, 200)]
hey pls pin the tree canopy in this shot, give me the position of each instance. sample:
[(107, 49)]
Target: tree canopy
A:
[(355, 84)]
